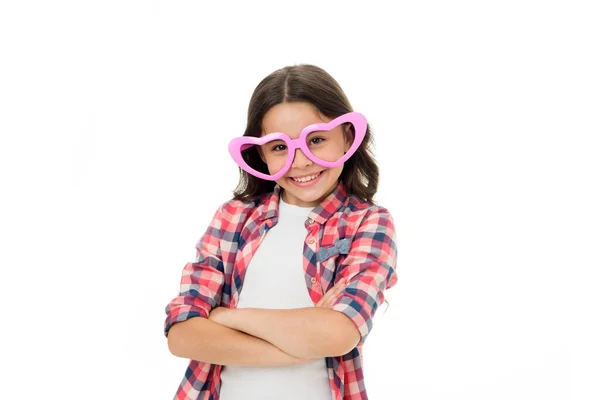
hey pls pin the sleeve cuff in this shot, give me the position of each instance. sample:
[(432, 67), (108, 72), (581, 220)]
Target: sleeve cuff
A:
[(357, 314), (181, 313)]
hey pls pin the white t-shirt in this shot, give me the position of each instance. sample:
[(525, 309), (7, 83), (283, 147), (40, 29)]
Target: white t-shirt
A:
[(275, 279)]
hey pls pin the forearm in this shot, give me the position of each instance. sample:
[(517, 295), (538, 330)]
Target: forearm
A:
[(302, 332), (204, 340)]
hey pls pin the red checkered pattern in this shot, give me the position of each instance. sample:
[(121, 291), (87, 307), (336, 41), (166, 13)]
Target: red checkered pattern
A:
[(232, 238)]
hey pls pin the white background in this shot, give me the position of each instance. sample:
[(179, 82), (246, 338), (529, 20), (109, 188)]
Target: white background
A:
[(115, 118)]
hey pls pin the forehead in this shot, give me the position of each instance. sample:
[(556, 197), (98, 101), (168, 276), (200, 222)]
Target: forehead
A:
[(291, 118)]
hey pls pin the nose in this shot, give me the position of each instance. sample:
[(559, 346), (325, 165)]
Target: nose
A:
[(300, 160)]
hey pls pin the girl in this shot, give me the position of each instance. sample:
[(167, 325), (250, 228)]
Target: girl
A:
[(307, 243)]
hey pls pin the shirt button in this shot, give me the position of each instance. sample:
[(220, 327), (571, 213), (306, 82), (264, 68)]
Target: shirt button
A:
[(311, 240), (313, 279), (310, 221)]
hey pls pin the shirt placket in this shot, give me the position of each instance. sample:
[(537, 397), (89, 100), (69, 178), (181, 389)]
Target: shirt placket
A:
[(311, 242)]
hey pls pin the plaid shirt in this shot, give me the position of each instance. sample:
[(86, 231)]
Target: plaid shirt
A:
[(347, 238)]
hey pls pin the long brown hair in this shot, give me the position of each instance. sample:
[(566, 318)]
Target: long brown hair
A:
[(307, 83)]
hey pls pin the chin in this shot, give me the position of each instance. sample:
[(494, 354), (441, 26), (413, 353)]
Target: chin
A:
[(307, 197), (312, 195), (303, 194)]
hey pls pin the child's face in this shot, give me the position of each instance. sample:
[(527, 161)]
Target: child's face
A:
[(291, 118)]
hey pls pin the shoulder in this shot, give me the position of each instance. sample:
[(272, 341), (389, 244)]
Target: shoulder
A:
[(236, 211), (365, 221)]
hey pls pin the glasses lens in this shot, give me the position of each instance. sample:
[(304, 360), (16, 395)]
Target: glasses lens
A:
[(274, 153), (328, 145)]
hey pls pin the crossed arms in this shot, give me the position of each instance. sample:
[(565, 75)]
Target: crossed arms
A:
[(264, 337), (197, 328)]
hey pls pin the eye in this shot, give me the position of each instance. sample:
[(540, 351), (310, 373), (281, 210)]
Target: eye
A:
[(316, 140), (278, 147)]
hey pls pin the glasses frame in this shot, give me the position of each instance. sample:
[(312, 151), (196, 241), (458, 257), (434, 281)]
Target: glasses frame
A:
[(237, 145)]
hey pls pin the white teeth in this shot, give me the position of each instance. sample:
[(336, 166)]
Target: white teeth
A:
[(306, 179)]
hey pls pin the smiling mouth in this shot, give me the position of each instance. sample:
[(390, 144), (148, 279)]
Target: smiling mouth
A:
[(307, 178)]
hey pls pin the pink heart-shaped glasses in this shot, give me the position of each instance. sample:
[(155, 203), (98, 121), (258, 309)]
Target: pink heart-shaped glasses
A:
[(237, 145)]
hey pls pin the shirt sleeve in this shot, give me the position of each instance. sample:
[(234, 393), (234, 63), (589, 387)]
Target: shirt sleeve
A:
[(201, 281), (370, 269)]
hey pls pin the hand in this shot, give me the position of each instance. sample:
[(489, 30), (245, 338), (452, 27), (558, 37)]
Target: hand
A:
[(220, 315), (327, 300)]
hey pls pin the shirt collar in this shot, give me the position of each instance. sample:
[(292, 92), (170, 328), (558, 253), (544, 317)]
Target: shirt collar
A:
[(321, 213)]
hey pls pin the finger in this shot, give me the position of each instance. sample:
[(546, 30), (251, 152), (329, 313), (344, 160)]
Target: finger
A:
[(339, 287), (335, 290), (330, 295), (325, 299)]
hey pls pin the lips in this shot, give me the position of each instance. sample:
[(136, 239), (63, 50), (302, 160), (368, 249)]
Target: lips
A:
[(307, 183), (316, 175)]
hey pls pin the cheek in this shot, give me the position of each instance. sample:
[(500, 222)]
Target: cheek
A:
[(281, 181), (334, 173), (274, 164), (341, 148)]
